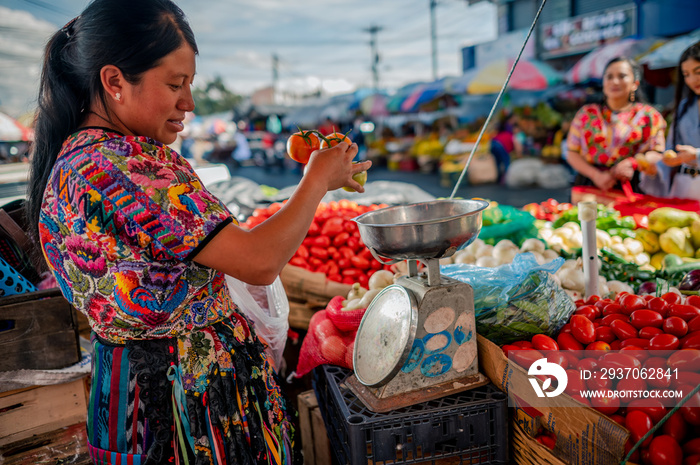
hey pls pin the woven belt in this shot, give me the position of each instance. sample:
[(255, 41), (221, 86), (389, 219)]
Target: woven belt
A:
[(689, 171)]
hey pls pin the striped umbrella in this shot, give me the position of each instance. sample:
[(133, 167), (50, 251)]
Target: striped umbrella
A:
[(592, 65), (668, 54), (529, 74)]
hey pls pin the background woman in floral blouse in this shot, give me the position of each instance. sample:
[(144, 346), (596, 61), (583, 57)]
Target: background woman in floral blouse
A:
[(139, 246), (604, 138)]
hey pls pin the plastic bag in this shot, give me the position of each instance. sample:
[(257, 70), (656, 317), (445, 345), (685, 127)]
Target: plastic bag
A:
[(506, 222), (516, 301), (268, 308)]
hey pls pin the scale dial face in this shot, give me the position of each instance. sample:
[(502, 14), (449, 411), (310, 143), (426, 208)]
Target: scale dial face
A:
[(385, 336)]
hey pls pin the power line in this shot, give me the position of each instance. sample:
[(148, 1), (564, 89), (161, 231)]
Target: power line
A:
[(49, 6)]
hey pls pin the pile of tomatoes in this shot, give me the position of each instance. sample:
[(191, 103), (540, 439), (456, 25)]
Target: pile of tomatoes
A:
[(548, 210), (632, 335), (333, 245)]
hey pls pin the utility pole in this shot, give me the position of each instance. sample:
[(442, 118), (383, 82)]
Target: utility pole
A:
[(433, 37), (275, 70), (373, 30)]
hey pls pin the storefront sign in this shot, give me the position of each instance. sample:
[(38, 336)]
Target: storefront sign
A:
[(583, 33)]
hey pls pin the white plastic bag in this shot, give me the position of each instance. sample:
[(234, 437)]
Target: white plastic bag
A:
[(268, 308)]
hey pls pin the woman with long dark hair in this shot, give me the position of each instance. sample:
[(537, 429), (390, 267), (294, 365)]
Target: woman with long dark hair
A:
[(604, 138), (677, 174), (139, 246)]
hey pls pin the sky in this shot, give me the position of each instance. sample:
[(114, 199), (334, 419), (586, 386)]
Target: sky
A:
[(320, 44)]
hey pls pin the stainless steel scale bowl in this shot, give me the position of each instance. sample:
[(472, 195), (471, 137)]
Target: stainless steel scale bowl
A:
[(417, 339)]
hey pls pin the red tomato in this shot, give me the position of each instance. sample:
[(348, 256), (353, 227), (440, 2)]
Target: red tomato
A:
[(619, 419), (641, 318), (656, 367), (639, 424), (692, 447), (675, 325), (664, 342), (631, 384), (605, 334), (301, 145), (589, 311), (632, 302), (675, 426), (544, 342), (582, 329), (567, 341), (607, 320), (506, 348), (566, 328), (559, 358), (526, 357), (589, 364), (623, 330), (691, 341), (598, 345), (636, 342), (652, 407), (659, 305), (691, 409), (693, 300), (664, 450), (691, 459), (649, 332), (575, 384), (523, 344), (606, 405), (635, 351), (672, 298), (611, 309), (694, 324), (619, 360), (334, 139), (687, 312)]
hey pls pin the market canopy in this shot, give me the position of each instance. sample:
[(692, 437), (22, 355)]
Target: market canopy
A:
[(528, 75), (668, 54), (12, 130), (592, 65)]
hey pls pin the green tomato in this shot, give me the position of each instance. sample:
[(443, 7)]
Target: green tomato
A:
[(360, 177)]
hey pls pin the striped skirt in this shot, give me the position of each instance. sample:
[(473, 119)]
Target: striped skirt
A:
[(208, 397)]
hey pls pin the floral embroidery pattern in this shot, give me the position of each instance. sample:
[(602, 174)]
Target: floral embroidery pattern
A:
[(604, 138)]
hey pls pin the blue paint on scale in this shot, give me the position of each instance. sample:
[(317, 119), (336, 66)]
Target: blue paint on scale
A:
[(414, 357), (436, 365), (460, 337), (448, 338)]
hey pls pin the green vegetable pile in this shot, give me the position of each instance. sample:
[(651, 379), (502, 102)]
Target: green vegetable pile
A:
[(537, 306)]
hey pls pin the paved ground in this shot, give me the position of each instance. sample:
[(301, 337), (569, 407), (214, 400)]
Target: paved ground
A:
[(431, 183)]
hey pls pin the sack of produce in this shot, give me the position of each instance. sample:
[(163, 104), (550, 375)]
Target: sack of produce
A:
[(517, 300)]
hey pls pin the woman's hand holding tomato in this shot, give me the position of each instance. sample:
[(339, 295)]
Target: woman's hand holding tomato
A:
[(331, 156), (335, 166)]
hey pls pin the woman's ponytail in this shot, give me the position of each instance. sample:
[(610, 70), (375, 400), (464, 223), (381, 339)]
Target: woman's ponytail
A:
[(60, 111)]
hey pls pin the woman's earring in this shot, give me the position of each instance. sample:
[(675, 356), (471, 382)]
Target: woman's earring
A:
[(117, 96), (631, 96)]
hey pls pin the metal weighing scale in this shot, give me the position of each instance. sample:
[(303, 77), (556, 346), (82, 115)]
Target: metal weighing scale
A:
[(417, 339)]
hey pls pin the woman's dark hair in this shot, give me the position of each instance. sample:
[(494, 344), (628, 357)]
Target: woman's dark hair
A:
[(133, 35), (639, 95), (682, 90)]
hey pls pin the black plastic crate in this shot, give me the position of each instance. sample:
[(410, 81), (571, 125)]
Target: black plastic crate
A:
[(465, 428)]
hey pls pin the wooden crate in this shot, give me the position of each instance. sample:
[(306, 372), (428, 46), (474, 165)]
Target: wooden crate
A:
[(38, 331), (308, 293), (41, 409), (61, 446), (314, 438)]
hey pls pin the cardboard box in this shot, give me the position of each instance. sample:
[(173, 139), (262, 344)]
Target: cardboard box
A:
[(584, 435), (38, 331), (40, 409), (314, 438)]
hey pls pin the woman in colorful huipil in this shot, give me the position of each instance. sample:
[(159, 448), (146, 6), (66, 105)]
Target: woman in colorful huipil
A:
[(139, 246), (604, 138)]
